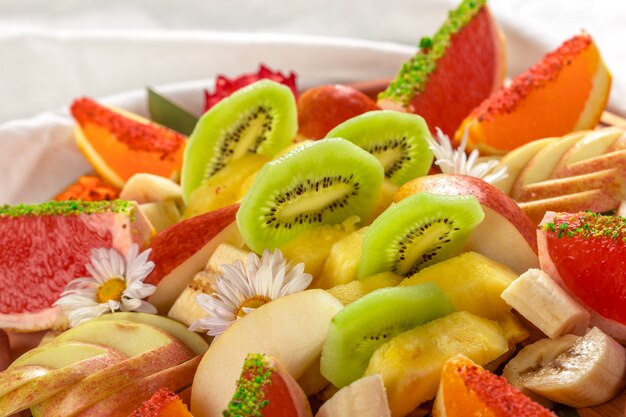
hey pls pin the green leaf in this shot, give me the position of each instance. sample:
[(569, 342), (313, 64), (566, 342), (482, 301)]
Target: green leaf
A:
[(565, 411), (169, 114)]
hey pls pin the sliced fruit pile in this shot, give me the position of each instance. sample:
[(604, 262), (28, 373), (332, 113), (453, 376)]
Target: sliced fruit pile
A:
[(107, 366), (327, 261)]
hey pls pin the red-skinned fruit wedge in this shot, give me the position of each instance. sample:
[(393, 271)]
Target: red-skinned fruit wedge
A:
[(566, 91), (320, 109), (164, 403), (183, 249), (266, 389), (455, 70), (6, 356), (45, 246), (586, 254), (120, 144), (505, 225), (467, 390), (225, 86)]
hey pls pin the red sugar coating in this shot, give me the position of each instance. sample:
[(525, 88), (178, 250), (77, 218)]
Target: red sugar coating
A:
[(153, 407), (498, 395), (225, 86), (544, 71), (137, 136)]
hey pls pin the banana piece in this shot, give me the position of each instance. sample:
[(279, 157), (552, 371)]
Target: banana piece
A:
[(162, 214), (185, 309), (148, 188), (591, 372), (546, 305), (532, 358), (349, 401)]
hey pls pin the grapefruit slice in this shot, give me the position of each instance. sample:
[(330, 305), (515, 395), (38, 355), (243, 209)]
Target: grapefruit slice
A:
[(266, 389), (119, 144), (466, 389), (586, 253), (453, 72), (566, 91), (164, 403), (43, 247)]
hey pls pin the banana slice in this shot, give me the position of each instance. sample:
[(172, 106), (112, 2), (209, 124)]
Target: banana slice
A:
[(147, 188), (589, 372), (546, 305), (533, 357), (162, 214)]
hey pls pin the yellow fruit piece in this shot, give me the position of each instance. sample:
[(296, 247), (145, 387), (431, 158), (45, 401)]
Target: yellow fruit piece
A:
[(352, 291), (223, 188), (411, 363), (312, 247), (512, 329), (342, 263), (385, 199), (471, 281)]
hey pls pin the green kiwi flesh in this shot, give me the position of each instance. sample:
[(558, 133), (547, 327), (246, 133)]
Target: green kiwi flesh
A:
[(260, 118), (418, 231), (324, 182), (373, 320), (397, 139)]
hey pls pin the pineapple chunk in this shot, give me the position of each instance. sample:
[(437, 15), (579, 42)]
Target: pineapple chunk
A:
[(312, 247), (513, 329), (343, 261), (411, 363), (352, 291), (385, 198), (224, 188), (471, 281)]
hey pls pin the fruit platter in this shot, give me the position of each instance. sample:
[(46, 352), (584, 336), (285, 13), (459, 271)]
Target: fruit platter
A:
[(445, 241)]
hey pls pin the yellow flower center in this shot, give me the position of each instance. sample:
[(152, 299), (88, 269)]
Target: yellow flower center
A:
[(255, 301), (111, 290)]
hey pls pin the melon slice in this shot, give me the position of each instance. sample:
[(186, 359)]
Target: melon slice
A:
[(45, 246)]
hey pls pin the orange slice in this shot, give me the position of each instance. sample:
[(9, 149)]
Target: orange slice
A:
[(120, 144), (163, 403), (566, 91), (467, 390)]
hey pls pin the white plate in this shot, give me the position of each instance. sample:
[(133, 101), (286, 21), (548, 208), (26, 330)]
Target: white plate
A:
[(38, 157)]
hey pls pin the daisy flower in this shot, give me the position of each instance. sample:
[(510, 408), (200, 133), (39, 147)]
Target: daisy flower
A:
[(245, 286), (115, 284), (456, 161)]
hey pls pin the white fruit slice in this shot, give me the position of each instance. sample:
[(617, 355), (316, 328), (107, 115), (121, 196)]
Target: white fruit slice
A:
[(292, 329), (365, 397)]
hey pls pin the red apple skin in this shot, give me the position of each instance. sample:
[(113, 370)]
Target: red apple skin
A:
[(177, 243), (320, 109), (487, 195)]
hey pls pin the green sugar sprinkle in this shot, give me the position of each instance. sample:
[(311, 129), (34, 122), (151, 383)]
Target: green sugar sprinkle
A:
[(66, 208), (249, 398), (414, 74), (587, 225)]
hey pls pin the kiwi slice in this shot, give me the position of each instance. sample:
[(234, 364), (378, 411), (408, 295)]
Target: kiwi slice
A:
[(371, 321), (260, 118), (420, 230), (324, 182), (397, 139)]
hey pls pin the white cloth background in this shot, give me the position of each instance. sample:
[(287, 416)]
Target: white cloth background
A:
[(54, 50)]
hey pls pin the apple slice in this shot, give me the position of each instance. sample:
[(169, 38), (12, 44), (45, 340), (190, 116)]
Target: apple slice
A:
[(60, 353), (161, 215), (542, 165), (152, 357), (5, 351), (609, 180), (614, 159), (130, 397), (149, 188), (598, 201), (192, 340), (292, 329), (184, 248), (11, 379), (505, 225), (348, 401), (516, 161), (44, 386), (593, 144)]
